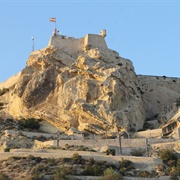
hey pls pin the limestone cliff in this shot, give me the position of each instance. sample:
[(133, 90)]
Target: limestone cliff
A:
[(159, 95), (87, 87)]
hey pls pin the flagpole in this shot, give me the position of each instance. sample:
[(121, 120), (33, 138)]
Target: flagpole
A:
[(55, 27), (55, 22)]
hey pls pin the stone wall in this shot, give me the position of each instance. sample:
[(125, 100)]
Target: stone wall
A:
[(47, 144), (167, 145), (29, 134), (127, 145), (94, 41), (71, 45), (47, 135), (68, 44), (149, 133)]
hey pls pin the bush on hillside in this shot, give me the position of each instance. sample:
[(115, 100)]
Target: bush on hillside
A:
[(30, 123), (125, 165), (93, 170), (168, 157), (137, 152), (61, 173), (110, 174), (144, 174), (110, 152), (6, 149), (76, 158)]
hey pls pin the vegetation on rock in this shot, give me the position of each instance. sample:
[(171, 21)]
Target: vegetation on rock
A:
[(110, 174), (171, 163), (30, 123), (137, 152), (111, 152)]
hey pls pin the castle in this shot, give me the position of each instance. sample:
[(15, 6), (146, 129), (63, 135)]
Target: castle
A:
[(72, 45)]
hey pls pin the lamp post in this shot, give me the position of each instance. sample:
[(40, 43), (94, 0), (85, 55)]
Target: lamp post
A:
[(32, 43), (120, 144), (147, 146)]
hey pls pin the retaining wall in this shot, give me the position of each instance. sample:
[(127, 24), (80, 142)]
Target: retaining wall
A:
[(127, 143)]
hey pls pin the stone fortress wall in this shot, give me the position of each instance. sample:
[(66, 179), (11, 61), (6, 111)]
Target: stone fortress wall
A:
[(72, 45), (95, 41), (67, 44)]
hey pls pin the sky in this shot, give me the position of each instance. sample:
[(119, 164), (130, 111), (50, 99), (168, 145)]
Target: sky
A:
[(145, 31)]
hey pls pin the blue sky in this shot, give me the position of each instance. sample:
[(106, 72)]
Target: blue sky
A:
[(146, 32)]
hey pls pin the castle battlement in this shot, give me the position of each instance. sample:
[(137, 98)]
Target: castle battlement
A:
[(72, 45)]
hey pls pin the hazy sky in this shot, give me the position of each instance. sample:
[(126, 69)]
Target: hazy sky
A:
[(145, 31)]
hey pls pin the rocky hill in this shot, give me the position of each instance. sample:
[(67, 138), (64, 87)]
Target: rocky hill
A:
[(81, 83)]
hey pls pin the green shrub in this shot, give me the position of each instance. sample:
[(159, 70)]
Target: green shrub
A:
[(137, 152), (30, 123), (168, 157), (93, 170), (144, 174), (125, 165), (61, 173), (90, 161), (110, 174), (76, 158), (97, 169), (51, 161), (88, 170), (31, 157), (40, 167), (6, 149), (110, 152)]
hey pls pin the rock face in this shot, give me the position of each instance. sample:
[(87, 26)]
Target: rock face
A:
[(81, 83), (159, 94)]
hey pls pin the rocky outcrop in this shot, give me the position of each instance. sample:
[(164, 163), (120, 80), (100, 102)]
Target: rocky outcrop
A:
[(90, 89), (159, 95)]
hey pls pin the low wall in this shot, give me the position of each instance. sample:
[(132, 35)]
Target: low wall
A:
[(168, 145), (149, 133), (126, 143), (47, 135), (29, 134), (67, 44)]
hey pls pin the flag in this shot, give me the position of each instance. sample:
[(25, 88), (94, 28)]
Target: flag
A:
[(53, 19)]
